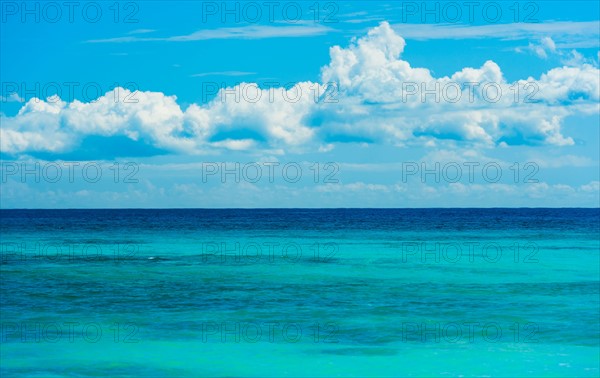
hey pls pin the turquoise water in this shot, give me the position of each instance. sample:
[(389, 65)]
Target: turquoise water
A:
[(438, 292)]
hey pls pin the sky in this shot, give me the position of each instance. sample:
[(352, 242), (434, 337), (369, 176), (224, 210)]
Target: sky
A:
[(154, 104)]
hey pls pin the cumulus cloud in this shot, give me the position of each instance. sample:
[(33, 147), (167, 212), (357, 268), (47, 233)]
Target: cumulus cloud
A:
[(475, 104), (55, 126), (377, 98)]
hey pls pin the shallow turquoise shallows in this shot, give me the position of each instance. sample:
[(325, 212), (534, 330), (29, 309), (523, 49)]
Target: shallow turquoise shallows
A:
[(326, 293)]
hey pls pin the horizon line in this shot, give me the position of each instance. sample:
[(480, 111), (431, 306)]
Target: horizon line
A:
[(296, 208)]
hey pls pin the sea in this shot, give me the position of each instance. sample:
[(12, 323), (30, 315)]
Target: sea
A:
[(300, 293)]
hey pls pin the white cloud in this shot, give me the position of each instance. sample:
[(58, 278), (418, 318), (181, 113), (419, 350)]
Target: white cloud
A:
[(546, 47), (224, 73), (141, 31), (371, 71), (371, 104), (592, 187), (574, 58), (542, 49), (580, 34), (13, 97), (236, 144), (242, 32), (358, 186)]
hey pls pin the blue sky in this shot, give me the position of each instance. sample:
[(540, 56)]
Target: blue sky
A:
[(340, 94)]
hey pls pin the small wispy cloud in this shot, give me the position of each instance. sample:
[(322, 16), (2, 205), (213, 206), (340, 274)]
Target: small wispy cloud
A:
[(364, 20), (141, 31), (546, 48), (582, 34), (354, 14), (542, 49), (224, 73), (244, 32)]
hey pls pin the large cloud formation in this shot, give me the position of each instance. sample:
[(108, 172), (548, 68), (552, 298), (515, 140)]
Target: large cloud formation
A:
[(366, 93)]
